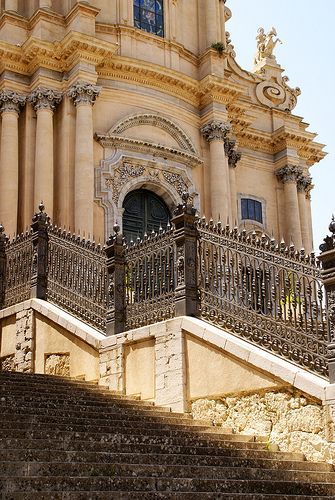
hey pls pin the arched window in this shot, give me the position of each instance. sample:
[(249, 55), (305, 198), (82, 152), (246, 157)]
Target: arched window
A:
[(148, 16), (144, 212)]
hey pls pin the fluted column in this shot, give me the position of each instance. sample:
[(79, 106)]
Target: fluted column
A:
[(44, 101), (215, 133), (289, 176), (84, 96), (10, 104), (11, 5), (233, 157), (304, 185)]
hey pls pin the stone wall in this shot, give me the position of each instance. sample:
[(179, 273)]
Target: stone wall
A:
[(289, 420)]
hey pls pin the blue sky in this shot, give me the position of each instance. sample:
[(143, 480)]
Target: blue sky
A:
[(307, 31)]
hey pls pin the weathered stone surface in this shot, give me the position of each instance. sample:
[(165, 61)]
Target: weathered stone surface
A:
[(24, 341), (7, 363), (289, 420), (58, 364)]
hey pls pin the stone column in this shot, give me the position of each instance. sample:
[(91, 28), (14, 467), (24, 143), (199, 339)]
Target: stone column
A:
[(11, 5), (233, 158), (44, 101), (212, 32), (304, 185), (215, 133), (289, 176), (84, 96), (222, 20), (10, 103)]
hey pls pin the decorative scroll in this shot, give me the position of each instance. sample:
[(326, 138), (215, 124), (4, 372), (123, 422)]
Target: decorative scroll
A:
[(150, 281), (77, 277), (19, 253), (265, 293)]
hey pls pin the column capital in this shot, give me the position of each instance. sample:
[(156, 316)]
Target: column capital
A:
[(43, 98), (84, 93), (290, 173), (233, 155), (215, 130), (304, 184), (11, 101)]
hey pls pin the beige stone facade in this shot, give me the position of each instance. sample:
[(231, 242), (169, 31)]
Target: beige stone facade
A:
[(93, 108)]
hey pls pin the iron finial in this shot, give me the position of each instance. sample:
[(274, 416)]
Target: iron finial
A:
[(116, 228), (41, 206), (2, 228)]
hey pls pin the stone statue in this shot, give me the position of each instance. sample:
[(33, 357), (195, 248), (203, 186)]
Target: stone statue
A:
[(265, 44)]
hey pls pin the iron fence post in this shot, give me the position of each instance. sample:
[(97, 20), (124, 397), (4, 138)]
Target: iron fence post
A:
[(185, 240), (3, 239), (327, 258), (116, 275), (39, 278)]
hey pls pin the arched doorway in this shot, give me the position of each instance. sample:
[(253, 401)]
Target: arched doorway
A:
[(144, 212)]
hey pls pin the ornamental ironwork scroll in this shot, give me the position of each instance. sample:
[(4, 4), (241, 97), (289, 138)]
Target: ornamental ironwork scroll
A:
[(77, 277), (19, 258), (265, 293), (150, 280)]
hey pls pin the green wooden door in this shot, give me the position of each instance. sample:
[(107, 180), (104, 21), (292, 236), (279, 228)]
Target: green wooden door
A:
[(143, 212)]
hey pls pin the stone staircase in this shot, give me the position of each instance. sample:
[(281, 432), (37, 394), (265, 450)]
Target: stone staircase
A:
[(69, 439)]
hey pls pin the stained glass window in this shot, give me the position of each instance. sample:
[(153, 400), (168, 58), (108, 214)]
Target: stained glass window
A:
[(251, 209), (148, 16)]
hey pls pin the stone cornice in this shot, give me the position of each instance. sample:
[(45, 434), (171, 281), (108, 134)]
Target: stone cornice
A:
[(177, 155), (215, 89), (280, 140), (56, 56), (11, 101), (43, 98)]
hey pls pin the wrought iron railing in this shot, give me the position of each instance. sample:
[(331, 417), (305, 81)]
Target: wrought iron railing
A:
[(150, 280), (19, 255), (77, 276), (263, 292)]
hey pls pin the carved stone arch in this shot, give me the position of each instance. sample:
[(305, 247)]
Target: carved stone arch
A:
[(120, 174), (159, 121)]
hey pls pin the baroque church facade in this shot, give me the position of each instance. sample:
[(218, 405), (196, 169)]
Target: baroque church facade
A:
[(111, 110)]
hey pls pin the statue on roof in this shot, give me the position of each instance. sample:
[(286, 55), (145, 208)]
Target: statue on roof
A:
[(266, 44)]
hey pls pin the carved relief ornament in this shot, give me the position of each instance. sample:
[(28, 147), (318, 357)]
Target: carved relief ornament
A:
[(11, 101), (215, 131), (233, 155), (43, 98), (84, 93), (290, 173)]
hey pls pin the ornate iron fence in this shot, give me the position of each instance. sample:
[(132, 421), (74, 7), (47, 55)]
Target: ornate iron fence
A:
[(77, 276), (263, 292), (266, 293), (150, 280), (19, 256)]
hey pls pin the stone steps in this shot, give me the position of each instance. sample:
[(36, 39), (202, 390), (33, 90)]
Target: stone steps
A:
[(62, 438), (78, 469)]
